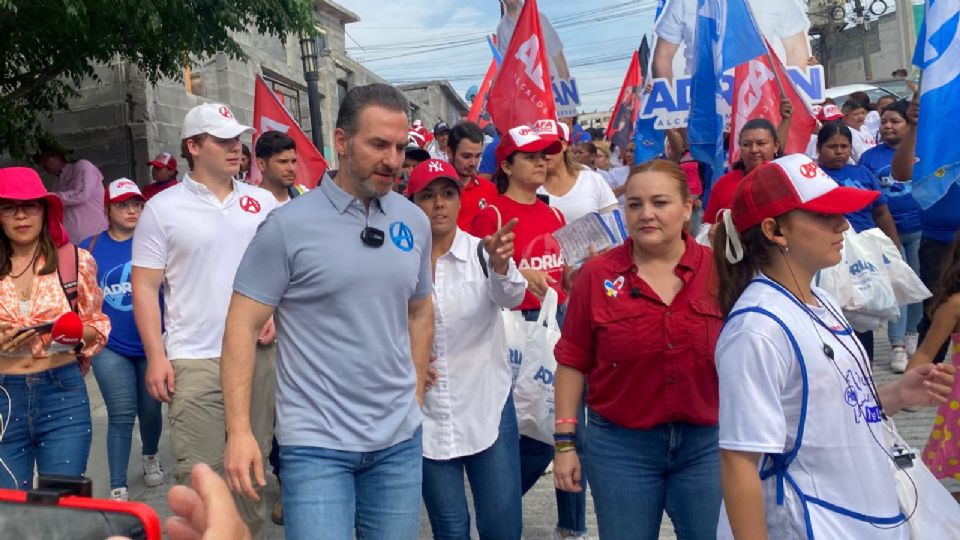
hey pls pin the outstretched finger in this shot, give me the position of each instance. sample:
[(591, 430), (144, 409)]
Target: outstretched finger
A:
[(507, 228)]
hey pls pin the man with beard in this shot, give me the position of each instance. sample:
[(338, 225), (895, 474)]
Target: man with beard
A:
[(351, 293), (465, 148), (277, 161)]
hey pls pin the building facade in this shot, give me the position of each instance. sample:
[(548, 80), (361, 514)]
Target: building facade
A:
[(121, 121), (434, 102)]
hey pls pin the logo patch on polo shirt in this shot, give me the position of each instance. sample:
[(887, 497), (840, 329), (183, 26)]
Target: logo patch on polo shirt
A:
[(614, 287), (249, 204), (401, 236)]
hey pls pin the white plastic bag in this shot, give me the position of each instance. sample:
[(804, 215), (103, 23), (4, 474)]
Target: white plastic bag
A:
[(933, 512), (533, 392), (860, 283), (907, 286), (516, 331)]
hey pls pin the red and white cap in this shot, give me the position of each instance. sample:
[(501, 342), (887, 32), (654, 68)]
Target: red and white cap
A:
[(829, 113), (793, 182), (214, 118), (417, 138), (527, 139), (164, 161), (432, 169), (122, 189)]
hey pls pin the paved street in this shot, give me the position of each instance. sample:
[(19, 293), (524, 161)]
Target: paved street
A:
[(538, 506)]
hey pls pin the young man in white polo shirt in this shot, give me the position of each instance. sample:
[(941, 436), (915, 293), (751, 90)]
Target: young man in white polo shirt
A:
[(190, 240)]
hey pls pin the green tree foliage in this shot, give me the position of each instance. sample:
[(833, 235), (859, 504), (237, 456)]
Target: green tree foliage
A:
[(48, 47)]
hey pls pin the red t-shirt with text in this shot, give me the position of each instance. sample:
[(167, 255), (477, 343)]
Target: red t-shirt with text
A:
[(535, 248)]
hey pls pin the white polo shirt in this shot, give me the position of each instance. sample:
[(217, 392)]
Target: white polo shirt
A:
[(198, 242)]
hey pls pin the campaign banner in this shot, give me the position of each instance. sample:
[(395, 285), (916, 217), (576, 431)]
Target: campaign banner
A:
[(565, 91), (784, 24)]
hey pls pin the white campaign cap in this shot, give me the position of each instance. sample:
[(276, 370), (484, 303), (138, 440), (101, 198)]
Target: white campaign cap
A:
[(122, 189), (214, 118)]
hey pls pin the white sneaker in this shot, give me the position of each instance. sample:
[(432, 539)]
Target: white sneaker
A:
[(900, 359), (152, 471), (559, 534), (910, 342), (119, 494)]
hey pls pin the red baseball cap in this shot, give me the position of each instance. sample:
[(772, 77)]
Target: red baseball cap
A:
[(432, 169), (829, 113), (528, 139), (164, 161), (793, 182)]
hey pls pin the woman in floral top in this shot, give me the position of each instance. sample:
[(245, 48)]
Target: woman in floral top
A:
[(44, 408)]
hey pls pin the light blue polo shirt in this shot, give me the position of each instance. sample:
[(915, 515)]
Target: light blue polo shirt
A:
[(345, 376)]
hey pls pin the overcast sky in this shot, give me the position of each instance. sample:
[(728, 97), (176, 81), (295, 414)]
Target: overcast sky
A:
[(416, 40)]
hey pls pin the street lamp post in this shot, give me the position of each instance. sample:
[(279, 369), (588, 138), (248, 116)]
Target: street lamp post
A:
[(311, 73)]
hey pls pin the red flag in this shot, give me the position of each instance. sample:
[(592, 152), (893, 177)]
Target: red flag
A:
[(756, 94), (627, 99), (522, 93), (480, 100), (270, 115)]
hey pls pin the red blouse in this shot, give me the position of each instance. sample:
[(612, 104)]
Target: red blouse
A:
[(647, 363)]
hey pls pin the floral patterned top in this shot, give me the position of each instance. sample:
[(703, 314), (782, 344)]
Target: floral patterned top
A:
[(48, 302)]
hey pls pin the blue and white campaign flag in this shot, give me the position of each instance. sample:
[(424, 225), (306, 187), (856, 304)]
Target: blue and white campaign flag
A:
[(938, 54), (648, 141), (726, 36)]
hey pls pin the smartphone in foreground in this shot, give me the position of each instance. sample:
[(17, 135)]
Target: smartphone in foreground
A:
[(52, 512)]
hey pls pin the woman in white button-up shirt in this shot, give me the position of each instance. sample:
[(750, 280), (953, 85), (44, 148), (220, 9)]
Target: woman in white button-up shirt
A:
[(470, 421)]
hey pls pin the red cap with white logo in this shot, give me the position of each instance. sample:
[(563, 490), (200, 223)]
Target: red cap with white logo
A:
[(432, 169), (213, 118), (829, 113), (164, 161), (793, 182), (121, 190), (528, 139)]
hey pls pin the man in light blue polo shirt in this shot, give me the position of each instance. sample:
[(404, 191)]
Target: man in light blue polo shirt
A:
[(346, 270)]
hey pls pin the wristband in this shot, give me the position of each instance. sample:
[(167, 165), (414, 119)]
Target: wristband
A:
[(562, 421), (564, 437), (563, 447)]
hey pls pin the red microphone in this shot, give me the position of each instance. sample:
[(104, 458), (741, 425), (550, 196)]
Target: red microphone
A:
[(68, 330)]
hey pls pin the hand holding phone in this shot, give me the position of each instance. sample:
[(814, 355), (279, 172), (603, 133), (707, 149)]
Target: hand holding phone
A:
[(38, 329)]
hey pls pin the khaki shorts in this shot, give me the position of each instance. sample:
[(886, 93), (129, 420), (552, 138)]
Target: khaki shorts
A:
[(197, 430)]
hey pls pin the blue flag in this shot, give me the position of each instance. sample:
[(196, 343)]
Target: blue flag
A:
[(938, 54), (726, 36)]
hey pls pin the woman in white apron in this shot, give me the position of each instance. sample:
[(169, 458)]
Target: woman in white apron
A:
[(797, 397)]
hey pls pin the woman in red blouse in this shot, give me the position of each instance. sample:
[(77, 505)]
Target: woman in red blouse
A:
[(640, 330)]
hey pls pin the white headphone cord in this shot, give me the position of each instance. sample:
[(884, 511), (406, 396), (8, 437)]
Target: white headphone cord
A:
[(4, 422)]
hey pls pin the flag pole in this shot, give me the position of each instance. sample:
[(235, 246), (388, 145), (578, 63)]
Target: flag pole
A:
[(776, 72)]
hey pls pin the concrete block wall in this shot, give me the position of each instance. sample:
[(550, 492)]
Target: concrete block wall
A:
[(885, 48)]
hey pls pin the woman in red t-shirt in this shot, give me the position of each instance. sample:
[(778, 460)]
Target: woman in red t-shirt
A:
[(522, 169), (759, 144), (640, 330)]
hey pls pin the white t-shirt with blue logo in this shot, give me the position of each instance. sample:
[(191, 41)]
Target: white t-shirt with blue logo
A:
[(840, 459)]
